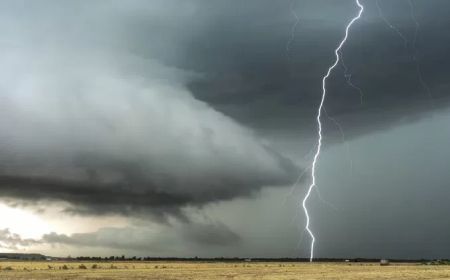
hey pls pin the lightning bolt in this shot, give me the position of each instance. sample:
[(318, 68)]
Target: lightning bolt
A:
[(416, 60), (390, 25), (319, 131), (414, 57), (348, 78), (293, 28)]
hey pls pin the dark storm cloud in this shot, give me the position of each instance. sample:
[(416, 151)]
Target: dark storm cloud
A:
[(86, 121), (90, 197), (123, 147), (256, 81), (156, 108), (117, 106)]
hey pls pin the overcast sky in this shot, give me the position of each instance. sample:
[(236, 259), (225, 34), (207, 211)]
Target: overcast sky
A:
[(178, 128)]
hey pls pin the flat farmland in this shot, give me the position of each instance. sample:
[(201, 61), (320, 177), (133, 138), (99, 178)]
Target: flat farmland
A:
[(218, 270)]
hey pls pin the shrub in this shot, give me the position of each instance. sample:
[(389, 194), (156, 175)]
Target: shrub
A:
[(82, 266), (94, 266), (64, 267), (8, 268)]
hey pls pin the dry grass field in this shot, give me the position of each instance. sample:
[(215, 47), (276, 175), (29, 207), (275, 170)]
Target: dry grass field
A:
[(196, 270)]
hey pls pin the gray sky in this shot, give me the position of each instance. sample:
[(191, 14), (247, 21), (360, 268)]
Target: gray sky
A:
[(184, 124)]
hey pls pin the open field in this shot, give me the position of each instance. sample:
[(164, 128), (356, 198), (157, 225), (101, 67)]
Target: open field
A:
[(217, 270)]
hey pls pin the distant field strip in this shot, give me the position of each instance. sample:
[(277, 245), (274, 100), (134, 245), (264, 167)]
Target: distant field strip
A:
[(215, 270)]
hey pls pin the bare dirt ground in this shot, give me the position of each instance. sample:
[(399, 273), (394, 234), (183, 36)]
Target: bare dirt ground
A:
[(216, 270)]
